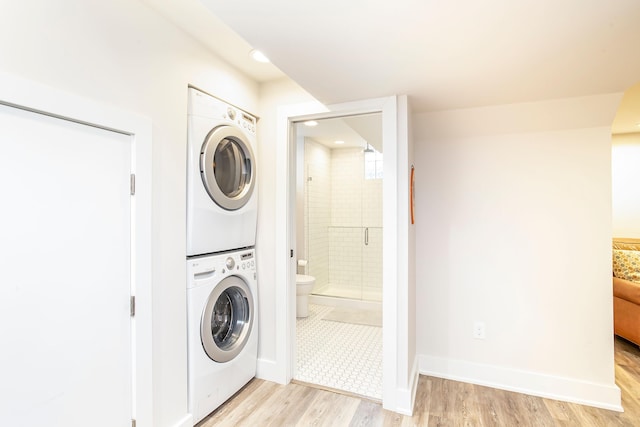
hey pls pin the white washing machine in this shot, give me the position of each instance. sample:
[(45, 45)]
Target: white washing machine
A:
[(222, 199), (222, 303)]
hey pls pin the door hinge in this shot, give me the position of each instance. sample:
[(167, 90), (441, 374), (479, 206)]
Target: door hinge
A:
[(133, 184), (291, 254), (133, 423), (132, 305)]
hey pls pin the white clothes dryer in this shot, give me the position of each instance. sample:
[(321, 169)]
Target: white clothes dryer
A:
[(222, 199), (222, 307)]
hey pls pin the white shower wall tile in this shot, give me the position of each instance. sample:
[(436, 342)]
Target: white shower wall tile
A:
[(339, 204), (346, 187), (317, 210), (339, 355), (372, 203), (345, 255)]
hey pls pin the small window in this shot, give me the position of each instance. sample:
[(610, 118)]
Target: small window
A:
[(372, 164)]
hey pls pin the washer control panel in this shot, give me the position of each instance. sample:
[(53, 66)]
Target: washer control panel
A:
[(241, 260), (208, 267)]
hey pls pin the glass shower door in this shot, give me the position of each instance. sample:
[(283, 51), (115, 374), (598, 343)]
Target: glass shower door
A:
[(343, 220), (372, 242)]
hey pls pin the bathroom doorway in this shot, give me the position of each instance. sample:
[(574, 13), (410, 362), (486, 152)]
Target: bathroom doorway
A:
[(339, 178), (398, 309)]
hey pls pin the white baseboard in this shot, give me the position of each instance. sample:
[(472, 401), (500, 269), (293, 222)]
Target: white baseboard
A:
[(407, 396), (187, 421), (606, 396), (268, 370)]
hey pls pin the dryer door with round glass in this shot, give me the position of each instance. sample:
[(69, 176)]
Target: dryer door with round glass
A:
[(227, 167), (227, 319)]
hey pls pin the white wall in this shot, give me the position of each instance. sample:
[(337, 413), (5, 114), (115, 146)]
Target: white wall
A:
[(413, 308), (122, 53), (405, 285), (513, 229), (625, 161), (272, 96)]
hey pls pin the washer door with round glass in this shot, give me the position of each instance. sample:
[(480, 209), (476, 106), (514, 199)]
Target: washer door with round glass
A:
[(227, 167), (227, 319)]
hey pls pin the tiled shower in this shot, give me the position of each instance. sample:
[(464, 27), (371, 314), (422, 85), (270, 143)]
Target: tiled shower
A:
[(342, 222)]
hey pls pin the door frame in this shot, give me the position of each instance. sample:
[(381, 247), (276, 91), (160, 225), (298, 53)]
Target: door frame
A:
[(33, 96), (399, 367)]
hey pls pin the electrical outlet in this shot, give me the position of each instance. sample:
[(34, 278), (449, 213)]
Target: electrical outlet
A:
[(478, 330)]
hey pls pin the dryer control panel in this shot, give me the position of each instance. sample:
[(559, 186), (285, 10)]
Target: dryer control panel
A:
[(244, 121), (203, 104)]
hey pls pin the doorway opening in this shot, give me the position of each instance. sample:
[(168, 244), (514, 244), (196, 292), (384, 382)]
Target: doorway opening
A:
[(339, 178), (398, 314), (625, 157)]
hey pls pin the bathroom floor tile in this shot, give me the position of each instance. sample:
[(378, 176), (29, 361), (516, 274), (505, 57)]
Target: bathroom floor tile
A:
[(339, 355)]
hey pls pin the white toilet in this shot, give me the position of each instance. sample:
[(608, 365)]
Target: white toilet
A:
[(304, 286)]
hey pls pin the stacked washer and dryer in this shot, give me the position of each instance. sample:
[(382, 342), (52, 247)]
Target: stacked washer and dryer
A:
[(222, 295)]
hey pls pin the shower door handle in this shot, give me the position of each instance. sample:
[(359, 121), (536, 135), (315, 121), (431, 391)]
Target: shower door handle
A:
[(366, 236)]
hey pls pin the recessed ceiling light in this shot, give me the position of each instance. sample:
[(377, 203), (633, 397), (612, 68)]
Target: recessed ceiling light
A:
[(311, 123), (258, 56), (339, 142)]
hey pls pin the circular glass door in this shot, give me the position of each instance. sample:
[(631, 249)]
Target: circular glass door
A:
[(227, 167), (227, 319)]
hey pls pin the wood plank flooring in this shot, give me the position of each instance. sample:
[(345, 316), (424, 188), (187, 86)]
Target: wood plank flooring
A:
[(439, 402)]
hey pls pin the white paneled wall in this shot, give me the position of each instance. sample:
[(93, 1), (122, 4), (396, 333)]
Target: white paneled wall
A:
[(339, 205)]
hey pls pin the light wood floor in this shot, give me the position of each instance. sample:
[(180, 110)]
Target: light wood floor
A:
[(438, 403)]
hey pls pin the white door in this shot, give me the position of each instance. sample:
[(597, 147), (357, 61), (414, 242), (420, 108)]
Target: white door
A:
[(65, 264)]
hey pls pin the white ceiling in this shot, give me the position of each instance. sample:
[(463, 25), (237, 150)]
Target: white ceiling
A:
[(198, 21), (442, 54), (354, 131), (328, 131)]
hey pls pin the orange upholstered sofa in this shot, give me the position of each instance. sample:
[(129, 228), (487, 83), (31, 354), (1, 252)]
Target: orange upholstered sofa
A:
[(626, 288)]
